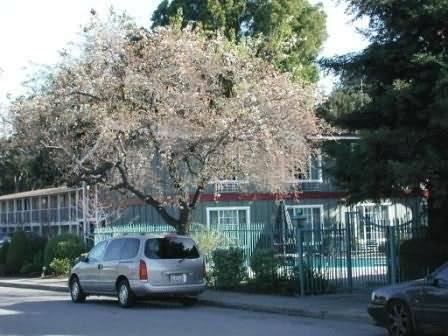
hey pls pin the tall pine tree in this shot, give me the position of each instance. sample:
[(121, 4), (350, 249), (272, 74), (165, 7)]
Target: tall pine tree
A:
[(403, 121)]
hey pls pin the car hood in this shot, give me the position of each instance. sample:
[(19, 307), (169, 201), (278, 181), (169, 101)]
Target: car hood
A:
[(402, 287)]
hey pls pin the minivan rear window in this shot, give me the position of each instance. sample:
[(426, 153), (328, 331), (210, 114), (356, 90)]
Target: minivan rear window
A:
[(171, 248)]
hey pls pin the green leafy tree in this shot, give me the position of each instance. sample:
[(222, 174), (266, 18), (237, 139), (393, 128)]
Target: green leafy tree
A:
[(403, 122), (25, 165), (291, 31), (213, 14)]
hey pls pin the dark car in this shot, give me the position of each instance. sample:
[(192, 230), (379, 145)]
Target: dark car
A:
[(413, 308)]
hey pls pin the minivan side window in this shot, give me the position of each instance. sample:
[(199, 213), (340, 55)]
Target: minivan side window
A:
[(97, 251), (113, 250), (130, 248)]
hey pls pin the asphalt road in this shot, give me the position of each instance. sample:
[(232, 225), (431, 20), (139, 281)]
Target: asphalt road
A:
[(32, 312)]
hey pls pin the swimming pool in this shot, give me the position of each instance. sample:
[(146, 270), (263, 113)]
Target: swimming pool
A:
[(321, 261)]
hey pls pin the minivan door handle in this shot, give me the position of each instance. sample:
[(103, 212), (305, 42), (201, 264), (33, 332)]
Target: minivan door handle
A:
[(100, 266)]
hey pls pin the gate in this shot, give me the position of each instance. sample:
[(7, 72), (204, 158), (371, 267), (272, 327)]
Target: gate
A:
[(337, 257)]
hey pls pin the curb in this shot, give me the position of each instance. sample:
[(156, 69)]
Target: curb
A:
[(35, 286), (323, 315)]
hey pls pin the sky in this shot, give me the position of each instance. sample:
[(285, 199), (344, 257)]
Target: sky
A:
[(32, 32)]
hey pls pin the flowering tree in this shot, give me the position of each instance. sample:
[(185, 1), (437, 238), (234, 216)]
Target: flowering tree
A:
[(160, 114)]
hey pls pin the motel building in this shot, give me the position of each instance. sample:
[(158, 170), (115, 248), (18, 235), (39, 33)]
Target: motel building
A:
[(47, 212)]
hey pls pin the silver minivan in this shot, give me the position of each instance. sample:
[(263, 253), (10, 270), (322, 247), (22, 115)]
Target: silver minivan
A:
[(133, 267)]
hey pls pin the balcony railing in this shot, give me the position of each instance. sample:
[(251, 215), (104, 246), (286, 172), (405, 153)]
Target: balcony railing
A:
[(228, 186), (37, 216)]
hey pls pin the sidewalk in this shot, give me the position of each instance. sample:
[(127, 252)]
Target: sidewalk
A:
[(348, 307)]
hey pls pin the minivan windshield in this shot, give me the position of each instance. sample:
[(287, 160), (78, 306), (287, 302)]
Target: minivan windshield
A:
[(171, 248)]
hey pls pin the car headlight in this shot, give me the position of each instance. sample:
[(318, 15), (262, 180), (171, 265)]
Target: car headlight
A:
[(377, 299)]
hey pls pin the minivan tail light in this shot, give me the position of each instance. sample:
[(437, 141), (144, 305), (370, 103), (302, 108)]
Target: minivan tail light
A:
[(143, 271)]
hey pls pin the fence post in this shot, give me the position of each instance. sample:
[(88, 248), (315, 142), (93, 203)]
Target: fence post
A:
[(392, 257), (300, 261), (348, 241)]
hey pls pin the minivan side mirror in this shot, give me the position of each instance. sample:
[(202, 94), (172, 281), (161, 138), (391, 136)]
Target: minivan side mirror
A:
[(83, 258)]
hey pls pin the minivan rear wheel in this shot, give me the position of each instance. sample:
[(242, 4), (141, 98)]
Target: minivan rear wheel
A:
[(76, 292), (126, 298)]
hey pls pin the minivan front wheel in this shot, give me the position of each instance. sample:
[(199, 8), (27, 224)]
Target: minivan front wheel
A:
[(126, 298), (76, 292)]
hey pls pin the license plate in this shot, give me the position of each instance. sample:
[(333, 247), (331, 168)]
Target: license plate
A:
[(178, 278)]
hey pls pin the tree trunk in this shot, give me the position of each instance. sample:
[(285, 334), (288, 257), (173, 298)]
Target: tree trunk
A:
[(183, 225), (437, 217)]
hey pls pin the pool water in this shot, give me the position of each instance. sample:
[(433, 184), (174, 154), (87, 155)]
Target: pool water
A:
[(356, 262)]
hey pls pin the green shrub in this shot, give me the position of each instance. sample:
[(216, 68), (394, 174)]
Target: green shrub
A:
[(61, 266), (315, 281), (37, 245), (228, 268), (419, 257), (18, 252), (265, 264), (207, 240), (65, 246), (38, 258), (31, 268), (4, 253)]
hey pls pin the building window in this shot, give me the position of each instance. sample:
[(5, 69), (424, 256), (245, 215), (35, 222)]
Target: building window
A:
[(314, 173), (36, 210), (64, 210), (228, 218), (368, 223), (53, 201), (310, 219), (18, 211), (11, 212), (3, 214)]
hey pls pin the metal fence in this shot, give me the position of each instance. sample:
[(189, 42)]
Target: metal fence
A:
[(315, 261), (347, 261)]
